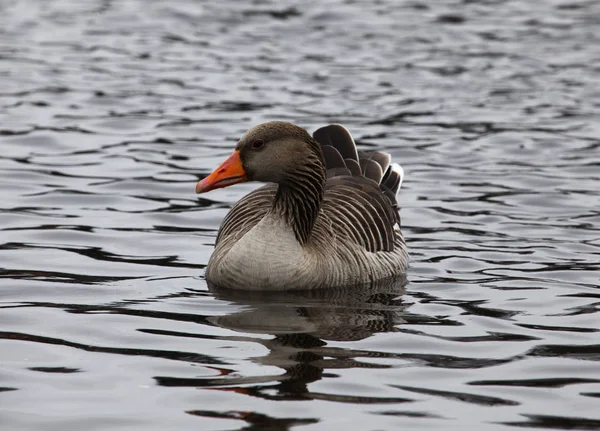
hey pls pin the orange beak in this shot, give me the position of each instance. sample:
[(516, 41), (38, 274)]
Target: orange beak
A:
[(230, 172)]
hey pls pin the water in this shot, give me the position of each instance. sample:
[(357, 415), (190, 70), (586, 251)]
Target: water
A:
[(110, 111)]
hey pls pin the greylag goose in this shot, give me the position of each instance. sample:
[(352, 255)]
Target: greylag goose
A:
[(327, 219)]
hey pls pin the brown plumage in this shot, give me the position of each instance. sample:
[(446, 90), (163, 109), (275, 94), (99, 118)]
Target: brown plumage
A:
[(328, 218)]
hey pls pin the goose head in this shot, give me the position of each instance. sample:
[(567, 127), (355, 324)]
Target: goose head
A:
[(273, 152)]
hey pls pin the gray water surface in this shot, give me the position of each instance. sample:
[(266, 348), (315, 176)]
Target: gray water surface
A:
[(110, 111)]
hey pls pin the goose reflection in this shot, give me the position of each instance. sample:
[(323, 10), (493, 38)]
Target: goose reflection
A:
[(302, 322), (344, 314)]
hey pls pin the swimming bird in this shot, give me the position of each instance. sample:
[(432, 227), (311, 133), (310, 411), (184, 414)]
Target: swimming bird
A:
[(327, 218)]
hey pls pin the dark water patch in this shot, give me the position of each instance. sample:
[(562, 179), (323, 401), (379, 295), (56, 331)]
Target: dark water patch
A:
[(461, 396), (170, 355), (50, 227), (62, 277), (232, 106), (282, 14), (60, 370), (358, 399), (536, 383), (450, 19), (120, 309), (473, 307), (589, 352), (176, 334), (410, 414), (556, 422), (255, 421), (492, 336), (450, 362), (559, 328), (97, 253)]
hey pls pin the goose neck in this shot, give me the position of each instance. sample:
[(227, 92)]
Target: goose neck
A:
[(299, 199)]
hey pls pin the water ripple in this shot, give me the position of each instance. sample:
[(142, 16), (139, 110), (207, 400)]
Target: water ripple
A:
[(112, 110)]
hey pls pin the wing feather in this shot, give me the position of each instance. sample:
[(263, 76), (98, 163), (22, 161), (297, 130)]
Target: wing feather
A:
[(246, 213), (360, 193)]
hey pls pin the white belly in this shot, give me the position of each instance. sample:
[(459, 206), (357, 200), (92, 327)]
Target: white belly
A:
[(267, 257)]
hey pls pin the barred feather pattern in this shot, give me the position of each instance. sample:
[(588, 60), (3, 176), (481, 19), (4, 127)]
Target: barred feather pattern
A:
[(298, 200)]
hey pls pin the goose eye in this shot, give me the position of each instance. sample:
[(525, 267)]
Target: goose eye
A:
[(259, 143)]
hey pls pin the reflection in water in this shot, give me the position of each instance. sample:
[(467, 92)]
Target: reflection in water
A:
[(256, 421), (302, 322), (343, 314)]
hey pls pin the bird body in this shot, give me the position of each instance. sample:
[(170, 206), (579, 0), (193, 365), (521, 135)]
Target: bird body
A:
[(327, 219)]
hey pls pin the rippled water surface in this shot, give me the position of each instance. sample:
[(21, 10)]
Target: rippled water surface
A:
[(110, 111)]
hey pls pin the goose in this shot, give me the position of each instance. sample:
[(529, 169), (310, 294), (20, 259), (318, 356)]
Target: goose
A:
[(326, 218)]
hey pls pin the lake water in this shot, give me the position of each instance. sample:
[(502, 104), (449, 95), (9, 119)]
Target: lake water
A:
[(110, 111)]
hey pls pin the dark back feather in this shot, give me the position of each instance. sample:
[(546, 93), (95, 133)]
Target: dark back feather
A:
[(340, 151), (371, 170), (382, 159), (354, 167), (392, 180), (333, 158), (339, 138), (360, 193)]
